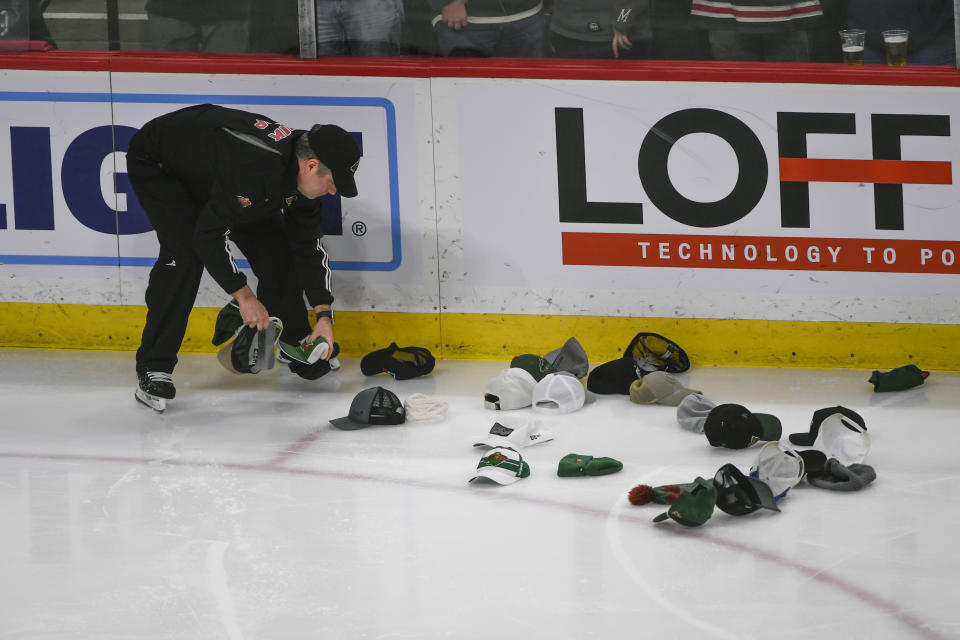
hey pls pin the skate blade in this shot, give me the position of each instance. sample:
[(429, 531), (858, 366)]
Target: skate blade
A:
[(155, 403)]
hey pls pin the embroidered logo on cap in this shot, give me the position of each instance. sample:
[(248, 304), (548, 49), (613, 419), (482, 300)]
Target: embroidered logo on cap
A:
[(244, 201)]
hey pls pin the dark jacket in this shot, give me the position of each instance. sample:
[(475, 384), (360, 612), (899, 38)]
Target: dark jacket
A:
[(925, 19), (241, 168), (491, 8), (199, 11), (595, 20)]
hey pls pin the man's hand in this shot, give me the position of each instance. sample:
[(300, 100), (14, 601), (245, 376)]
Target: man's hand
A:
[(620, 41), (455, 14), (252, 311), (323, 329)]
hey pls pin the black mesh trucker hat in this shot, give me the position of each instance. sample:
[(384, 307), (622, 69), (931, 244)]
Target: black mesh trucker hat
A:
[(372, 406)]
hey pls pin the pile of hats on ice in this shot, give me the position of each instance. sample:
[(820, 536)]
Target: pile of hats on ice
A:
[(837, 435)]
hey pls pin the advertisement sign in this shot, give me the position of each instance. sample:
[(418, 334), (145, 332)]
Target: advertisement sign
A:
[(71, 205), (702, 199)]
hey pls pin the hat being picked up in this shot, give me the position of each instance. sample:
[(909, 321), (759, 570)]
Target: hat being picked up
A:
[(516, 435), (694, 506), (779, 466), (560, 393), (738, 494), (251, 350), (659, 387), (373, 406), (503, 465), (837, 476), (338, 150), (693, 410), (905, 377), (570, 357), (402, 363), (615, 376), (733, 426), (807, 439), (574, 465), (510, 389)]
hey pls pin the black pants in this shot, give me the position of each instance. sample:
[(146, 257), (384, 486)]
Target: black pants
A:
[(175, 277)]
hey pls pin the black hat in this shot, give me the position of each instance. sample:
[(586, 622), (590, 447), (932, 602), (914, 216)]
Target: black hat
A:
[(375, 405), (807, 439), (316, 370), (733, 426), (615, 376), (251, 351), (738, 494), (402, 363), (339, 151), (653, 352)]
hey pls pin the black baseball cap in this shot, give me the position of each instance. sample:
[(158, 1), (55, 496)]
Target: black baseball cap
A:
[(739, 494), (615, 376), (402, 363), (338, 150), (807, 439), (735, 427), (375, 405)]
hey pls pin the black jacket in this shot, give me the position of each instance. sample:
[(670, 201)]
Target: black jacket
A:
[(490, 8), (242, 169)]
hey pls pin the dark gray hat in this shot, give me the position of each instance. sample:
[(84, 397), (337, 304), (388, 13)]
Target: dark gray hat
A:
[(570, 357), (838, 477)]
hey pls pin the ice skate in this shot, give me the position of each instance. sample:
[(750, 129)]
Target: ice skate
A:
[(154, 389)]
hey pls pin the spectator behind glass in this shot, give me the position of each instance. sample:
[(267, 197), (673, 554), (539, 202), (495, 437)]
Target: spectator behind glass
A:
[(275, 28), (482, 28), (359, 27), (205, 26), (758, 30), (930, 23), (674, 37), (600, 29), (38, 26)]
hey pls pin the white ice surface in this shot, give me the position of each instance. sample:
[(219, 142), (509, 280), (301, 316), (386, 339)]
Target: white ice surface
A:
[(241, 513)]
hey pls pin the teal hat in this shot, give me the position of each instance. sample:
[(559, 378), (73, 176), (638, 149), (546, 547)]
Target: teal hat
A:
[(692, 507), (574, 465), (905, 377)]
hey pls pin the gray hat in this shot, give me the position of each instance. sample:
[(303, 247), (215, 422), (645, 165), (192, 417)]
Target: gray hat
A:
[(570, 357), (839, 477), (693, 410)]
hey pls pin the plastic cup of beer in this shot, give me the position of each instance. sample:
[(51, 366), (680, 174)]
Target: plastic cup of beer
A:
[(895, 44), (851, 44)]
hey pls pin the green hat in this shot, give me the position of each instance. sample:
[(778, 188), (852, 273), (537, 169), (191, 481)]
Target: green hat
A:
[(228, 321), (905, 377), (575, 465), (532, 364), (694, 507)]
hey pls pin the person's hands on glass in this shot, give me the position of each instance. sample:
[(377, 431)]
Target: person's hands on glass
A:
[(455, 14), (620, 41)]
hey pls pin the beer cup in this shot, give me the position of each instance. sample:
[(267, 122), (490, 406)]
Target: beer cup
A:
[(895, 44), (851, 44)]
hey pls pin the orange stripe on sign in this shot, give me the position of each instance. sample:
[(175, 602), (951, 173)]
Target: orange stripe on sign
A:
[(877, 171)]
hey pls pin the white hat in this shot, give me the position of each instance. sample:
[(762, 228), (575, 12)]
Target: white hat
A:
[(510, 389), (693, 410), (560, 393), (779, 466), (503, 465), (660, 387), (843, 439), (515, 434)]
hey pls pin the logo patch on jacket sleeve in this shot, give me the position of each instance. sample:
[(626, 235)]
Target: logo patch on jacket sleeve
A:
[(244, 201)]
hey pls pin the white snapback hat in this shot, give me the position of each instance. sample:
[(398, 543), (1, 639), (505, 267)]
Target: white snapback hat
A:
[(510, 389), (843, 439), (560, 393), (515, 434), (503, 465), (779, 466)]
